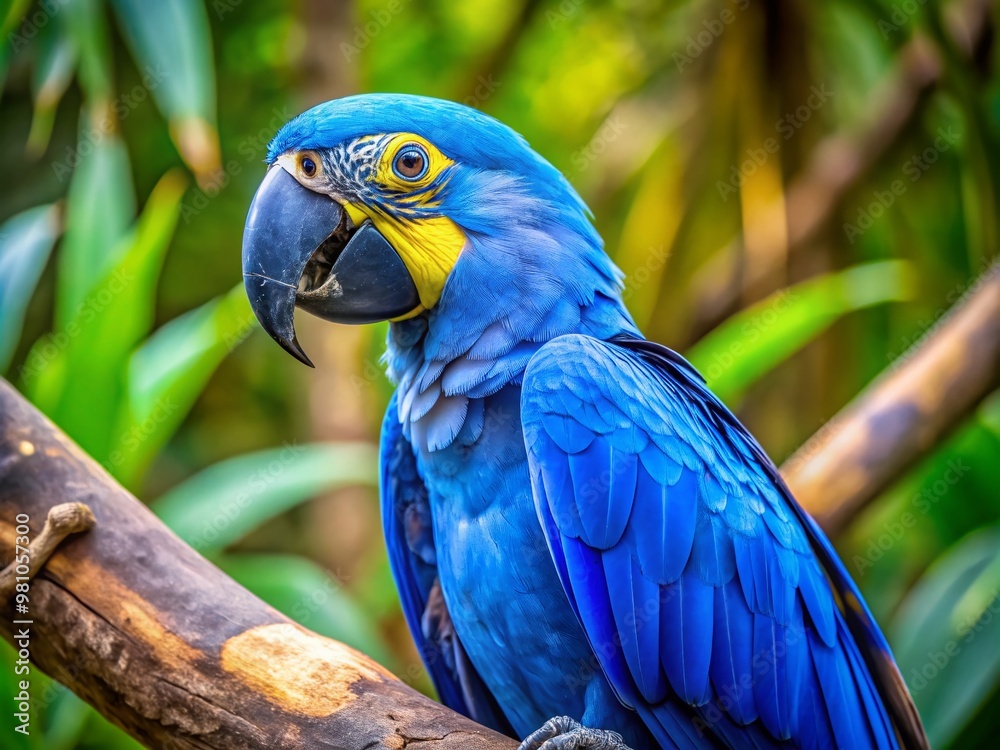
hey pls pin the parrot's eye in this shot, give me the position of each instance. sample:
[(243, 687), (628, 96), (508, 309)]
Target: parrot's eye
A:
[(411, 162), (308, 166)]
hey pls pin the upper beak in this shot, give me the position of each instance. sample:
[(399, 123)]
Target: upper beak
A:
[(301, 249)]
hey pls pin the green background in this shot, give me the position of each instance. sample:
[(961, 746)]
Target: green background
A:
[(132, 136)]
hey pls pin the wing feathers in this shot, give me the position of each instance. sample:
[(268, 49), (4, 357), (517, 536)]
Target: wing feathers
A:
[(636, 609), (686, 645), (604, 486), (663, 542), (691, 570), (732, 651)]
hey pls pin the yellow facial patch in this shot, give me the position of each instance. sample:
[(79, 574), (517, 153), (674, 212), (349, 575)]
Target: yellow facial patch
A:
[(388, 176), (429, 249), (428, 246)]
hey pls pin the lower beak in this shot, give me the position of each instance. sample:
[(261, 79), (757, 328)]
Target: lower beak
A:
[(301, 250)]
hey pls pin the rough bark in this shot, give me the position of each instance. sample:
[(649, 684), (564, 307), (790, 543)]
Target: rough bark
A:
[(165, 645), (168, 647)]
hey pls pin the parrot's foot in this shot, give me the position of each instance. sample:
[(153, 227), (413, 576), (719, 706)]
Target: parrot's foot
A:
[(563, 733)]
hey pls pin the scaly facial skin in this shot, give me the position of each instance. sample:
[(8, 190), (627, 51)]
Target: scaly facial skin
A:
[(394, 180)]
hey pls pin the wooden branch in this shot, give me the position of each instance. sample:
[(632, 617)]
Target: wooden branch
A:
[(904, 414), (168, 647), (171, 649), (63, 520)]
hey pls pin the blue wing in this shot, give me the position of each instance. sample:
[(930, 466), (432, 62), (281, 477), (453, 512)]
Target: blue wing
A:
[(698, 579), (406, 521)]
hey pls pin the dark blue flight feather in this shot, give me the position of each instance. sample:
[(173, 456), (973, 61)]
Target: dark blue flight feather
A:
[(702, 585)]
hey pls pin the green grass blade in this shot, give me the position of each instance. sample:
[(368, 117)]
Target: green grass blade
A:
[(167, 374), (26, 241), (225, 502), (99, 209), (171, 39), (751, 343), (12, 14), (87, 24), (95, 345), (54, 69), (945, 635)]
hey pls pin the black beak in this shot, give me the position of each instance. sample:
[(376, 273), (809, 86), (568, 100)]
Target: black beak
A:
[(300, 249)]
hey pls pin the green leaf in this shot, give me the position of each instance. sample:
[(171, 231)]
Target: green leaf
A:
[(305, 592), (26, 241), (989, 413), (54, 69), (168, 373), (91, 353), (9, 689), (12, 14), (88, 27), (67, 719), (101, 733), (225, 502), (172, 41), (99, 209), (751, 343), (945, 635)]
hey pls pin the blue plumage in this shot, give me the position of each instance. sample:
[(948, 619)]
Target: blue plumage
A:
[(576, 524)]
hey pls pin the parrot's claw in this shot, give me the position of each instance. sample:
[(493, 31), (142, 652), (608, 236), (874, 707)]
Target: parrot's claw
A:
[(563, 733)]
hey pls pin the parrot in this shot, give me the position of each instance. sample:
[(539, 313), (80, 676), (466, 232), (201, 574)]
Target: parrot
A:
[(591, 550)]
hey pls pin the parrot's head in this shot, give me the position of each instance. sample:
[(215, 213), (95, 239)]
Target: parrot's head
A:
[(391, 207)]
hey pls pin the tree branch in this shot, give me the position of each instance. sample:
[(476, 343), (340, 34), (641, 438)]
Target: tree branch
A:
[(904, 413), (63, 520), (168, 647)]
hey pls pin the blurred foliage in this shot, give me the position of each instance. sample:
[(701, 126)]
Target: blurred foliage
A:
[(685, 126)]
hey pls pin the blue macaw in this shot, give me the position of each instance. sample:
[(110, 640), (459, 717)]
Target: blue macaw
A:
[(591, 550)]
